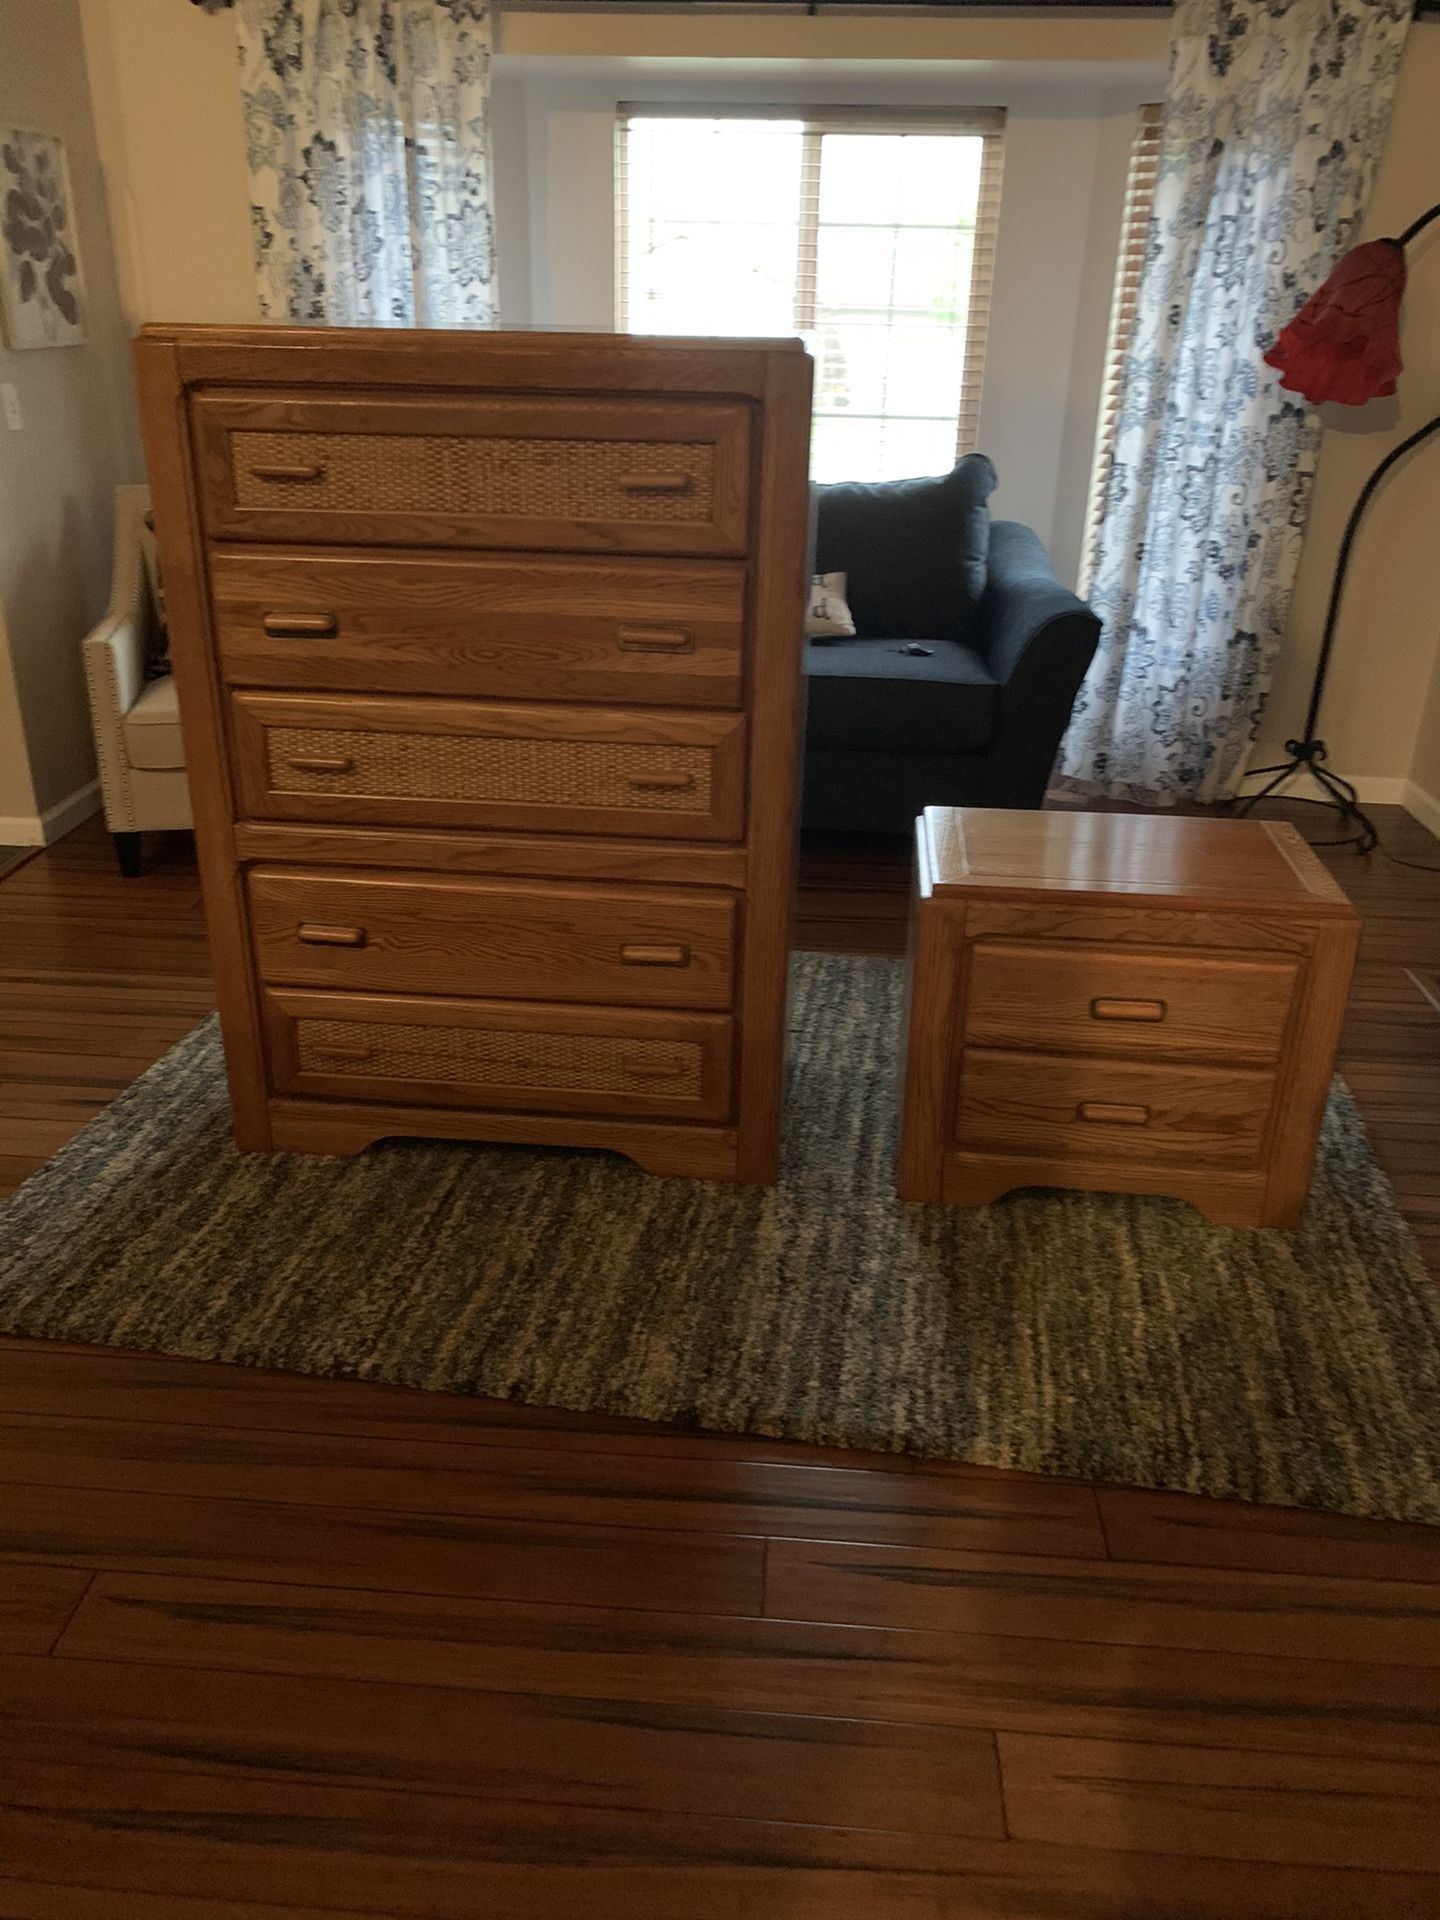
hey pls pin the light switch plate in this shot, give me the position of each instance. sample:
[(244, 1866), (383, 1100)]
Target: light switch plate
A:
[(10, 405)]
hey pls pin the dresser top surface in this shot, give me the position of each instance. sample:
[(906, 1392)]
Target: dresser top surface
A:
[(1173, 859)]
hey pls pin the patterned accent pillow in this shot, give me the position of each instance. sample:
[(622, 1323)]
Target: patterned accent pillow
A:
[(828, 617)]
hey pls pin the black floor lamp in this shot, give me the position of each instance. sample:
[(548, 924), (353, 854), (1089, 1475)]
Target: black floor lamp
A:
[(1344, 345)]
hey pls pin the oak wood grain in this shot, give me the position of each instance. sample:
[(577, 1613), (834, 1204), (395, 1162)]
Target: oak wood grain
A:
[(514, 627), (605, 945)]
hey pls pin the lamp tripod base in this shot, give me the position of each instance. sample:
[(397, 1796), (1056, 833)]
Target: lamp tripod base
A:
[(1308, 756)]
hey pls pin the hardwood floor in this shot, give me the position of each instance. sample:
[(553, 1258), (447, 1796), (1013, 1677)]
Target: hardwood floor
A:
[(276, 1648)]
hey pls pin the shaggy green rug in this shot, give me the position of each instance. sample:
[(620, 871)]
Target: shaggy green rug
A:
[(1115, 1339)]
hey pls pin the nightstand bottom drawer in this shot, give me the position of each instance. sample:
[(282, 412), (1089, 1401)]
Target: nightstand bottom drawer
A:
[(500, 1054), (1066, 1110)]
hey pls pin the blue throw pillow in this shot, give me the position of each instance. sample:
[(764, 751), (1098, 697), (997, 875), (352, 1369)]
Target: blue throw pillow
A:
[(915, 552)]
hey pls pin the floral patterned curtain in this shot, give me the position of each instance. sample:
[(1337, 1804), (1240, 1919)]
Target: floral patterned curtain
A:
[(367, 136), (1275, 118)]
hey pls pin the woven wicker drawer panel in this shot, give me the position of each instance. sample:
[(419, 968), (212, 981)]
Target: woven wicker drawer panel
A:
[(467, 767), (376, 473), (480, 1056)]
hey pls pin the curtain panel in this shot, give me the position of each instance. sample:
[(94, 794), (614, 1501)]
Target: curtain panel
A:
[(1275, 119), (368, 142)]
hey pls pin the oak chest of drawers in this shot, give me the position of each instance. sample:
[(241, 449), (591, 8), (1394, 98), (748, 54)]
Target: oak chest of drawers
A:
[(488, 649), (1137, 1004)]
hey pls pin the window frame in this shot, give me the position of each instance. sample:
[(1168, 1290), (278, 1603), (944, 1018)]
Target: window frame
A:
[(1142, 177), (984, 123)]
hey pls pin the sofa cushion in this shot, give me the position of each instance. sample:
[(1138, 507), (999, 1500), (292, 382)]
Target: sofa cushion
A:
[(868, 696), (152, 729), (916, 551)]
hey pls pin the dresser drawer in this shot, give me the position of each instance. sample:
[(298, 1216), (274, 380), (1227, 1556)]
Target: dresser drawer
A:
[(494, 939), (605, 474), (1060, 1109), (1092, 999), (438, 763), (535, 629), (443, 1052)]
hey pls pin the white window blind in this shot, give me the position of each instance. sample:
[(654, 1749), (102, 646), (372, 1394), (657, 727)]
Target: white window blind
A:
[(871, 234), (1134, 232)]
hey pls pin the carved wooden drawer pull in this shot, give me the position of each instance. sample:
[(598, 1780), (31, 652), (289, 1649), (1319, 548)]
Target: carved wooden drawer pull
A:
[(330, 1050), (663, 782), (1152, 1010), (320, 763), (656, 956), (656, 640), (300, 626), (654, 1069), (315, 935), (655, 482), (297, 476), (1109, 1113)]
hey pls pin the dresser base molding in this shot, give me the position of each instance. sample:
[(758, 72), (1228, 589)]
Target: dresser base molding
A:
[(676, 1151)]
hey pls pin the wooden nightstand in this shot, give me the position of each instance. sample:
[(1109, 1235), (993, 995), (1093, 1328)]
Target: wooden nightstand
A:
[(1121, 1002)]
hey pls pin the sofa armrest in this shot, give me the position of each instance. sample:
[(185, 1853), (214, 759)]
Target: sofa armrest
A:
[(1038, 639), (114, 659)]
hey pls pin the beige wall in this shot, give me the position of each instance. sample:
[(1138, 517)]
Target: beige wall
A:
[(79, 439), (1386, 649), (167, 113)]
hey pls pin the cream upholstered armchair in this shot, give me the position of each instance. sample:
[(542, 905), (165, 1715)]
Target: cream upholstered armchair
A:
[(135, 720)]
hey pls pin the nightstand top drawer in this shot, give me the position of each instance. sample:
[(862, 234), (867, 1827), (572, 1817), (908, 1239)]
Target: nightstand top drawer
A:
[(1076, 998), (603, 475), (403, 933), (533, 627)]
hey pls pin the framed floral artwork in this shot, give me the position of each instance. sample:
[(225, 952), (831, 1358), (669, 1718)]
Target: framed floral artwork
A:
[(42, 294)]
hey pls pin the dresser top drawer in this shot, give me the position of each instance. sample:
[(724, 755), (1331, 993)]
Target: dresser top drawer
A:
[(1077, 998), (584, 474)]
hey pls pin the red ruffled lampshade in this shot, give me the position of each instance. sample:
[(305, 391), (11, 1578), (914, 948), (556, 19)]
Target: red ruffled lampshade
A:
[(1344, 344)]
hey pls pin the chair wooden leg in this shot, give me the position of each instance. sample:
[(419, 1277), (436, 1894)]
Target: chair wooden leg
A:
[(127, 852)]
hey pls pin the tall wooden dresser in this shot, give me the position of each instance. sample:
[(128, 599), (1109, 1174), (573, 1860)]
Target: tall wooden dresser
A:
[(488, 655)]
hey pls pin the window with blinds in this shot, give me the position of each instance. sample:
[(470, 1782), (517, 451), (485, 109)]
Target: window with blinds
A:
[(1134, 231), (870, 234)]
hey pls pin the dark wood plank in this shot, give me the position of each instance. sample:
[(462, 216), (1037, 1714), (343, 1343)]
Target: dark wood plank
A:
[(35, 1603), (436, 1553), (547, 1487), (44, 1900), (52, 1379), (1123, 1604), (1181, 1530), (782, 1666), (500, 1747), (434, 1857), (1294, 1809)]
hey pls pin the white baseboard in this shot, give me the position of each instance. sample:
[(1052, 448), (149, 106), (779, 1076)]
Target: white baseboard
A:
[(1422, 806), (43, 829)]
